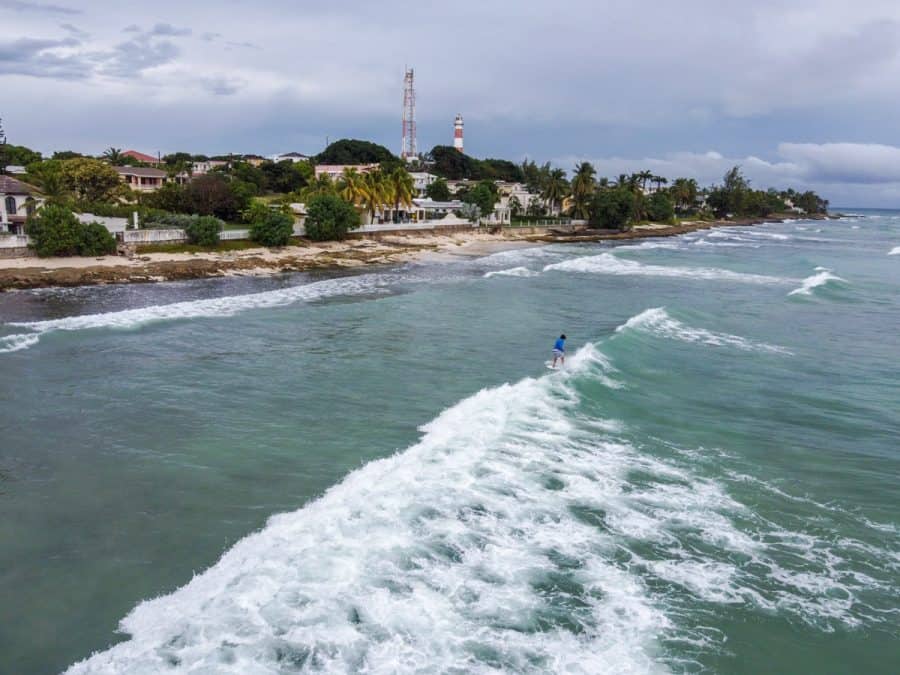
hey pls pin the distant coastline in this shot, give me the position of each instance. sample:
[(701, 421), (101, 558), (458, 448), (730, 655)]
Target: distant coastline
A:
[(27, 273)]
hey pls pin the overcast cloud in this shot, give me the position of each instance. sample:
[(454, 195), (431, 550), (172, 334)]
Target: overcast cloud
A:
[(799, 92)]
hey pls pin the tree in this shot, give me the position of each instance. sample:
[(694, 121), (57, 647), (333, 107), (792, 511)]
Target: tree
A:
[(204, 231), (402, 188), (611, 209), (286, 176), (55, 231), (19, 155), (470, 211), (91, 180), (330, 217), (352, 151), (438, 191), (113, 155), (483, 197), (170, 197), (660, 181), (213, 195), (321, 185), (555, 188), (66, 154), (273, 229), (684, 193), (660, 208), (582, 190), (536, 207), (515, 206), (730, 197)]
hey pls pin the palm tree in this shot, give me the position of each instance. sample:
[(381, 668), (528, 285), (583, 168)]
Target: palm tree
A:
[(321, 185), (659, 180), (555, 188), (113, 155), (582, 190), (643, 177), (402, 188), (375, 192), (351, 186), (684, 192), (515, 206), (54, 188)]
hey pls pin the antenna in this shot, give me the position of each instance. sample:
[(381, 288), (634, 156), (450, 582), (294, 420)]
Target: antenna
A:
[(408, 145)]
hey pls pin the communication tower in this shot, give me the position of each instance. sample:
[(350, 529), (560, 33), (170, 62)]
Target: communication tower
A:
[(408, 149)]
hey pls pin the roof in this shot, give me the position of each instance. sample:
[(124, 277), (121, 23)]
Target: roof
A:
[(140, 156), (147, 172), (13, 186)]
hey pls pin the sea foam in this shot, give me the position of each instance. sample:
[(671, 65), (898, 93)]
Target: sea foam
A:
[(822, 277), (606, 263), (208, 307), (658, 322), (512, 272)]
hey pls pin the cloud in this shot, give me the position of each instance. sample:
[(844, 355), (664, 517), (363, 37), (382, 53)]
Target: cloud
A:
[(168, 30), (210, 37), (75, 31), (40, 58), (865, 163), (24, 6), (129, 59), (221, 85)]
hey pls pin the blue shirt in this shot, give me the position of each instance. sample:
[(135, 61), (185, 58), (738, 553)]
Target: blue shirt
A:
[(560, 345)]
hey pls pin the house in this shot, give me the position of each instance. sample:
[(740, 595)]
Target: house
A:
[(421, 180), (335, 171), (253, 160), (428, 209), (141, 157), (292, 156), (200, 168), (18, 200), (142, 179)]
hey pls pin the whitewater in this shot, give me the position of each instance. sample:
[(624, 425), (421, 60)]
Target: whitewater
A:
[(376, 473)]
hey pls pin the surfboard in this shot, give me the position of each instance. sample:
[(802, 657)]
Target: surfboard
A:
[(550, 366)]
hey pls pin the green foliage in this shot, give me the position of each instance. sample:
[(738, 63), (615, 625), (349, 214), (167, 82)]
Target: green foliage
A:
[(55, 231), (329, 217), (811, 202), (583, 183), (470, 211), (660, 208), (66, 154), (286, 176), (91, 180), (214, 195), (170, 197), (482, 196), (501, 169), (95, 239), (204, 231), (612, 208), (438, 190), (273, 229), (452, 164), (20, 155), (352, 151)]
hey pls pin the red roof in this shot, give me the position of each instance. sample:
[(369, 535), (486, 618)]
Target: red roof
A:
[(140, 156)]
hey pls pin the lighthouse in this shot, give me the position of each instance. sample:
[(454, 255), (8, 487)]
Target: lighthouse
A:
[(458, 133)]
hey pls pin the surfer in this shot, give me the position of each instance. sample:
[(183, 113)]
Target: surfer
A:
[(559, 351)]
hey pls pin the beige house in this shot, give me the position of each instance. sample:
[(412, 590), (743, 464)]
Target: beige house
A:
[(335, 171), (142, 179), (18, 200)]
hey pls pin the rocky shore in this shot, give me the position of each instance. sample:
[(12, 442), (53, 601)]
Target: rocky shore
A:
[(23, 273)]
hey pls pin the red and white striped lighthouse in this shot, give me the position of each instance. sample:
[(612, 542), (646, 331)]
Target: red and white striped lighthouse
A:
[(458, 133)]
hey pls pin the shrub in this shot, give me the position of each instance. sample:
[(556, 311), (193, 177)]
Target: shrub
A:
[(95, 239), (55, 231), (204, 231), (330, 217), (273, 229), (660, 208), (612, 208)]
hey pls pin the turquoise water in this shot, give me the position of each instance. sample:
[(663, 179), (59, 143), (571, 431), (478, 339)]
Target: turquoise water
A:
[(377, 473)]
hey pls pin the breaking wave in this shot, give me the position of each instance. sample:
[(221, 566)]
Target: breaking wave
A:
[(521, 533), (658, 322), (822, 277), (209, 307), (606, 263), (513, 272)]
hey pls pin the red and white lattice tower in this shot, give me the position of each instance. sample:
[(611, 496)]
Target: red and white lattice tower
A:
[(408, 148), (458, 133)]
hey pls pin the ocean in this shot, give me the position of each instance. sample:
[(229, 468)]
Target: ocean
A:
[(375, 472)]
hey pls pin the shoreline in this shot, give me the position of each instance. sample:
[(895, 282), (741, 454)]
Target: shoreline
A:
[(28, 273)]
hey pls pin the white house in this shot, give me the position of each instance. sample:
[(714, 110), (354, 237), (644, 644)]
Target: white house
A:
[(421, 180), (292, 156), (17, 201)]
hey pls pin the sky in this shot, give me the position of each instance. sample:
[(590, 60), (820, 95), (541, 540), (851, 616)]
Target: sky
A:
[(800, 93)]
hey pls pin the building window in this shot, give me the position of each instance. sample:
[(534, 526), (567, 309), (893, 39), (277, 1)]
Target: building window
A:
[(11, 206)]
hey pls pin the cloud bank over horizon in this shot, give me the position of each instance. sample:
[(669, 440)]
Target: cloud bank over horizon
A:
[(798, 92)]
